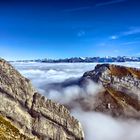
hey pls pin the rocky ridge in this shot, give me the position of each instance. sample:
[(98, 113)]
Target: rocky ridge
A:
[(121, 97), (29, 115)]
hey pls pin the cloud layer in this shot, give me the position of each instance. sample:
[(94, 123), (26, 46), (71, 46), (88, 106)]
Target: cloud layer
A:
[(58, 82)]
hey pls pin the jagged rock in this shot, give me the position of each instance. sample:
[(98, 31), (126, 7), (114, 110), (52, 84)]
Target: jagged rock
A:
[(122, 90), (25, 114)]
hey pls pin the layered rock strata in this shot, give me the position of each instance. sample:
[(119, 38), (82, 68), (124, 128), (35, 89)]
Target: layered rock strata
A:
[(26, 114)]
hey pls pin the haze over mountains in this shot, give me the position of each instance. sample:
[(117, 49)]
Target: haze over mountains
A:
[(86, 59)]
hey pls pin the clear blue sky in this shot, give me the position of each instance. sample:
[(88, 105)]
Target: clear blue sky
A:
[(66, 28)]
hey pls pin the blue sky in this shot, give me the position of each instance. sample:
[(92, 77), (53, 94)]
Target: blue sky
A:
[(68, 28)]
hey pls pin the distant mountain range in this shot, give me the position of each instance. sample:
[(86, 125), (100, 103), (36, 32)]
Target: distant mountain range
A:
[(86, 59)]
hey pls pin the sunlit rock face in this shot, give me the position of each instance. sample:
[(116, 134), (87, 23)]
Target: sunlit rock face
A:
[(28, 115), (122, 90)]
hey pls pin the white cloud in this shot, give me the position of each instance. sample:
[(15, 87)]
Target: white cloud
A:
[(69, 94), (96, 5), (45, 73), (130, 31), (110, 2), (114, 37), (97, 126)]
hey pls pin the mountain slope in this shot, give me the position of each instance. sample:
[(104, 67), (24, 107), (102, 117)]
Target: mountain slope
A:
[(122, 90), (30, 114)]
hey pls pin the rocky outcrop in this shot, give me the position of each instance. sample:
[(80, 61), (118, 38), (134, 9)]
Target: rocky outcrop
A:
[(25, 114), (121, 97)]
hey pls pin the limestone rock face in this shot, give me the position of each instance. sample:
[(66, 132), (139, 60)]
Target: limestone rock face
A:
[(26, 114), (122, 90)]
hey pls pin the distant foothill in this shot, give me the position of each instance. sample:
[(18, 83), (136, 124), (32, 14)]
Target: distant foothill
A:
[(86, 59)]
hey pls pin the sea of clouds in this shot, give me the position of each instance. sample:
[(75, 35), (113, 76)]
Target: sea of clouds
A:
[(59, 83)]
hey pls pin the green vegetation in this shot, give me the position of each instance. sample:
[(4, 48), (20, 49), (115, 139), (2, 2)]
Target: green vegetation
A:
[(10, 132)]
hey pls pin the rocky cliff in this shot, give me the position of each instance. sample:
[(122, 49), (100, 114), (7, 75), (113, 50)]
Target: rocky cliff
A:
[(121, 97), (25, 114)]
